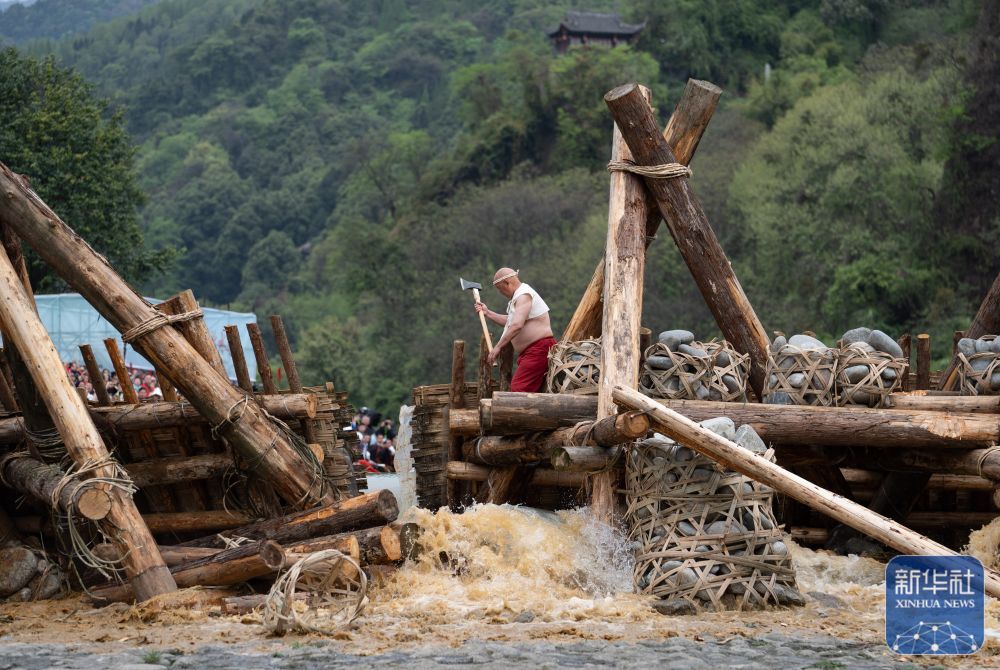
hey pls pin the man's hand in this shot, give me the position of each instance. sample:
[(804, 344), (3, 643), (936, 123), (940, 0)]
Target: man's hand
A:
[(482, 308), (493, 355)]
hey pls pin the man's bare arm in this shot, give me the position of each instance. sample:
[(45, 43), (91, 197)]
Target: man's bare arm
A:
[(495, 317)]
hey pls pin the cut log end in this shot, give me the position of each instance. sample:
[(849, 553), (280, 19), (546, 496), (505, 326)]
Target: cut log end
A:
[(391, 545), (94, 504), (621, 91)]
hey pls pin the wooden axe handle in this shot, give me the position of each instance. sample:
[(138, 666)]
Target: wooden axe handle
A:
[(482, 319)]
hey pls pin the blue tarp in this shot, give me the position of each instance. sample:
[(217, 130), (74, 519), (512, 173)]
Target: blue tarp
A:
[(71, 321)]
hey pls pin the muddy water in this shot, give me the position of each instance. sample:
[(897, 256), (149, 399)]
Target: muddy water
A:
[(498, 574)]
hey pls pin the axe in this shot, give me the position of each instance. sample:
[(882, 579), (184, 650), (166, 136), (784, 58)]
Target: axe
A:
[(466, 285)]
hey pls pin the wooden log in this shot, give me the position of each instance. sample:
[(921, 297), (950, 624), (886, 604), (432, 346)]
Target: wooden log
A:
[(684, 130), (43, 481), (95, 374), (505, 366), (143, 565), (923, 402), (471, 472), (7, 398), (170, 414), (456, 392), (801, 424), (485, 370), (624, 265), (923, 361), (193, 330), (239, 360), (292, 372), (464, 423), (528, 448), (905, 343), (369, 509), (263, 364), (985, 322), (176, 469), (690, 229), (733, 456), (159, 523), (501, 485), (978, 462), (231, 566), (172, 556), (857, 477), (279, 558), (584, 459), (454, 491), (512, 413)]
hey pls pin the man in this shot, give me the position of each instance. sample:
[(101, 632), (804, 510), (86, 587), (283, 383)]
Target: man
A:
[(526, 326)]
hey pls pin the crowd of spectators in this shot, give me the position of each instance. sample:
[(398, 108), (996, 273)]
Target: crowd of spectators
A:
[(376, 441), (143, 381)]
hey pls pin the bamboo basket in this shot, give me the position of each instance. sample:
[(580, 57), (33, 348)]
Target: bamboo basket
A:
[(818, 368), (883, 375), (574, 367), (705, 535), (722, 375), (978, 382)]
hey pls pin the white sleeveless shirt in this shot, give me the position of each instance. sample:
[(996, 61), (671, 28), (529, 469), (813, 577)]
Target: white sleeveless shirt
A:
[(538, 306)]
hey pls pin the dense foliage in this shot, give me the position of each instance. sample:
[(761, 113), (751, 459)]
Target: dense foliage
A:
[(77, 157), (342, 162), (52, 19)]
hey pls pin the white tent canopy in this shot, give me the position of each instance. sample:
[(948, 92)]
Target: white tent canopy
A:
[(71, 321)]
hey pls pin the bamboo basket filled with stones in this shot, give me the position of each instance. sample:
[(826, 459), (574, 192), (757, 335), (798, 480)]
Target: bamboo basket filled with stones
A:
[(574, 367), (979, 365), (677, 367), (800, 371), (870, 366), (705, 534)]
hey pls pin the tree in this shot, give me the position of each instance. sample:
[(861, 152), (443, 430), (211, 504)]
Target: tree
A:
[(836, 204), (79, 159)]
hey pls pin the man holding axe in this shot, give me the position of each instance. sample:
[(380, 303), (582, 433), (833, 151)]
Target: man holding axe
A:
[(526, 327)]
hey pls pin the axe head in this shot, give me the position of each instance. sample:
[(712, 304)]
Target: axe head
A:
[(466, 285)]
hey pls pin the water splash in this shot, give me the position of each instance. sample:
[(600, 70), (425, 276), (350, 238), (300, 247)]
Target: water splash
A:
[(496, 559)]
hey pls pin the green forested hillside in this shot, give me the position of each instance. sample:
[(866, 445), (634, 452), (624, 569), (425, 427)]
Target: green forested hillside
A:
[(343, 162), (52, 19)]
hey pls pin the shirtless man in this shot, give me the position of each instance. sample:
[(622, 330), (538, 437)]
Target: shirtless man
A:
[(526, 326)]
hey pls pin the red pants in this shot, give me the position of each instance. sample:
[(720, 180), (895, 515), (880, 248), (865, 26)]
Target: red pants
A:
[(532, 365)]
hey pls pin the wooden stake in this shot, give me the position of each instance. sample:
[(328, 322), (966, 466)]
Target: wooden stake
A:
[(683, 133), (95, 374), (624, 264), (690, 229), (737, 458), (239, 360), (143, 564), (455, 490), (263, 364), (292, 370), (923, 361)]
